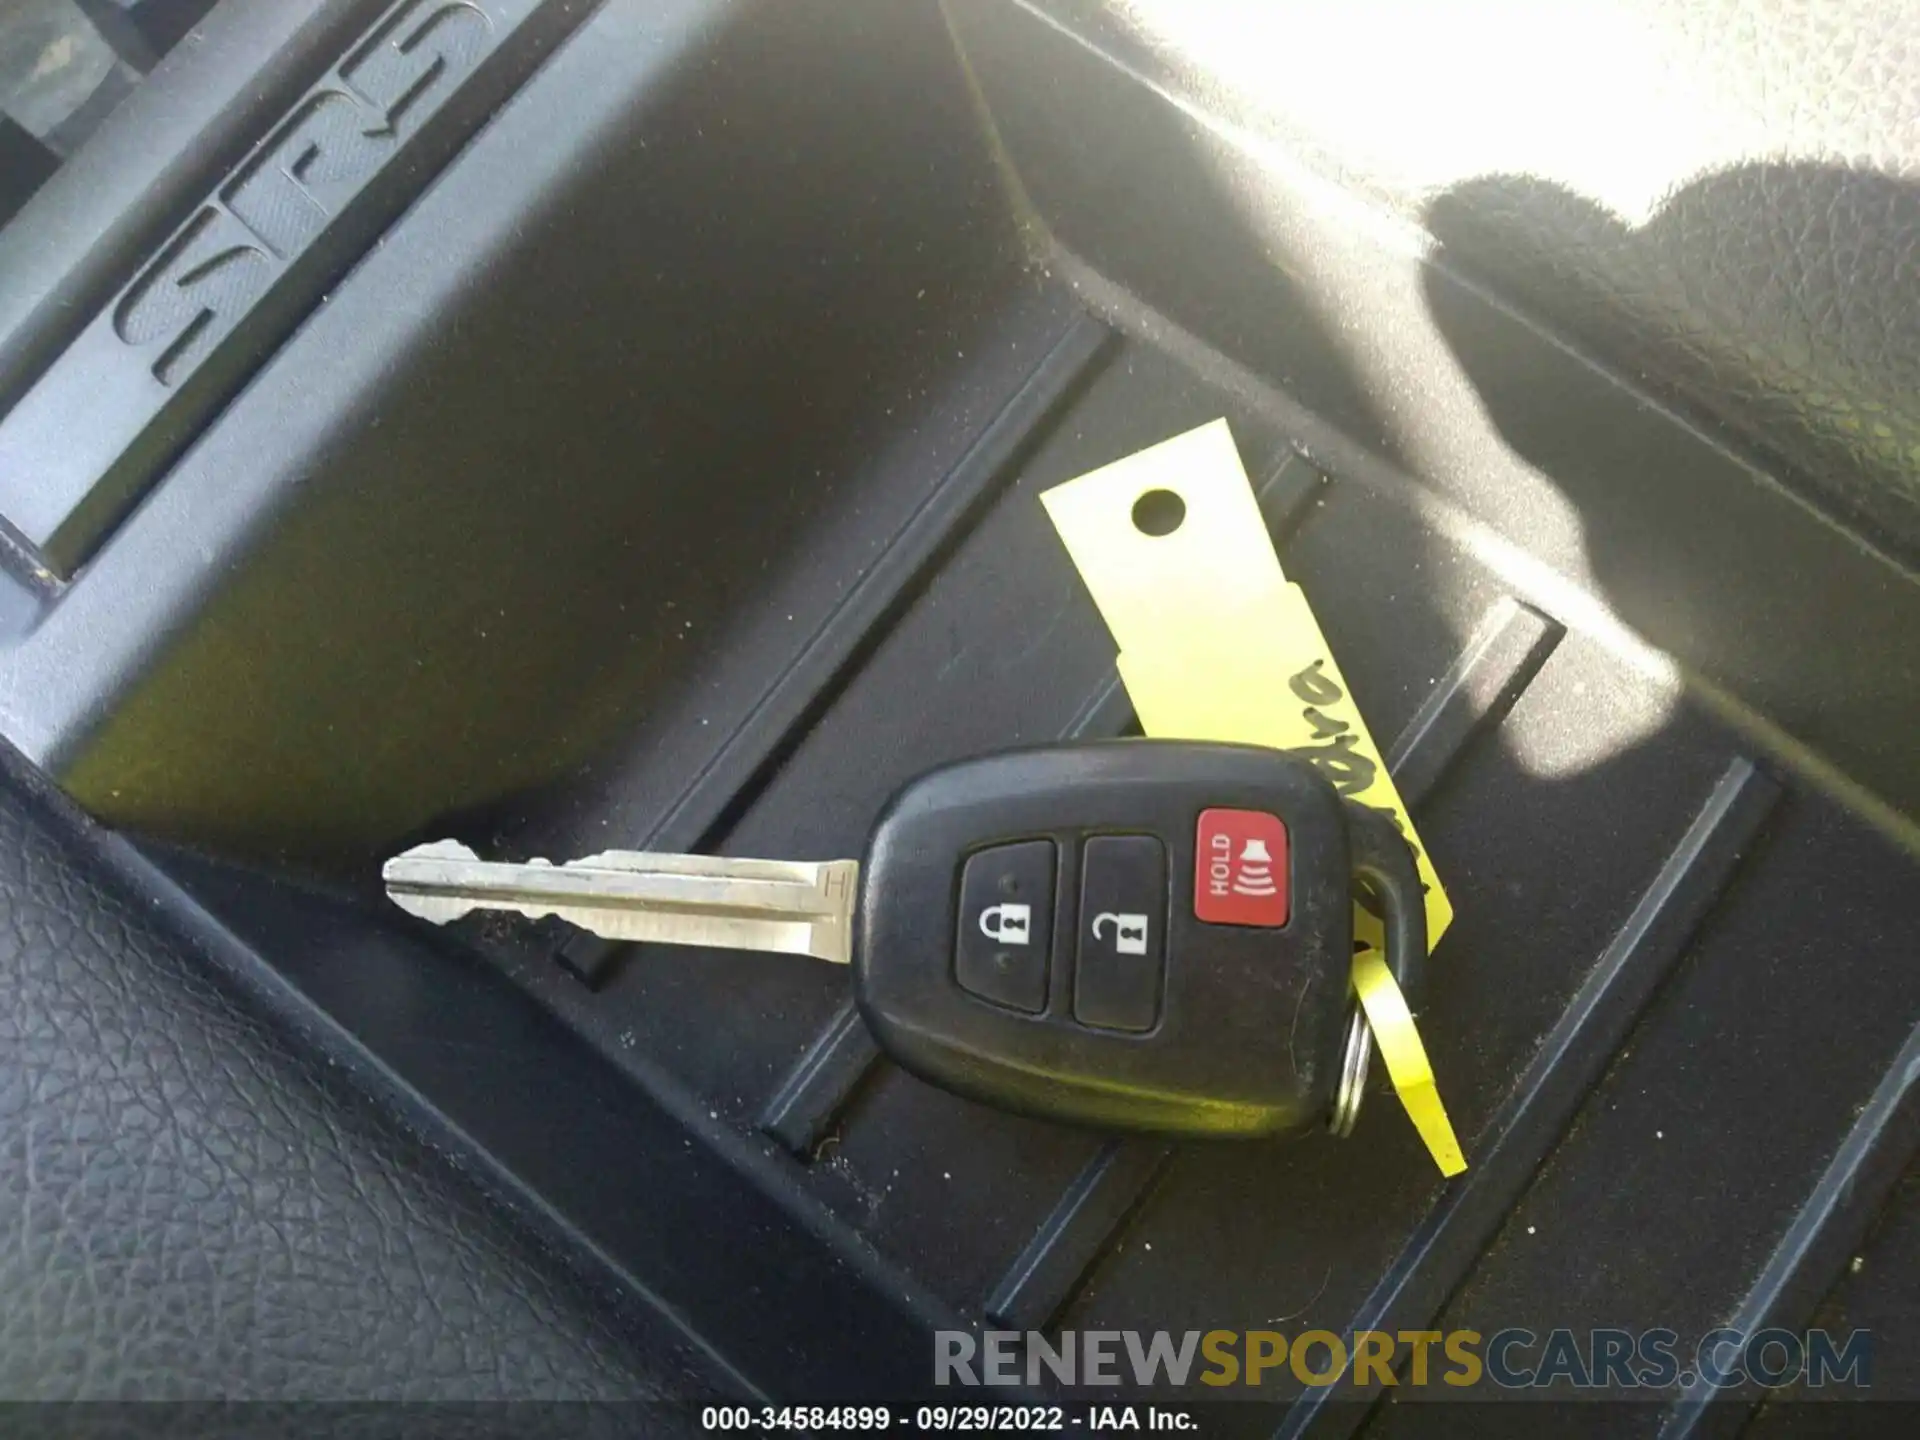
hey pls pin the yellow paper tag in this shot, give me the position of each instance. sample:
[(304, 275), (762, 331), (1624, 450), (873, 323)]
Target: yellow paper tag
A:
[(1285, 692), (1406, 1057), (1217, 644)]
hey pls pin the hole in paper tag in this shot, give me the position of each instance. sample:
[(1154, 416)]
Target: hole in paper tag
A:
[(1159, 512)]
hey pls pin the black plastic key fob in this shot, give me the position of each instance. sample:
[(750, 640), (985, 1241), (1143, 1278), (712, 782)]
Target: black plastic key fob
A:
[(1132, 934)]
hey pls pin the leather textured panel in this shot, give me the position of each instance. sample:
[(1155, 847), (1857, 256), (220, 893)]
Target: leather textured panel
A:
[(1779, 304), (190, 1207), (1719, 200)]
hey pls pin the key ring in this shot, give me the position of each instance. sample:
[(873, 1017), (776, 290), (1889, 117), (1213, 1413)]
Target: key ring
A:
[(1355, 1059), (1383, 861)]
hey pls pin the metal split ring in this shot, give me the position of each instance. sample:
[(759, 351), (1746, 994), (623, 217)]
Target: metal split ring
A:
[(1355, 1059)]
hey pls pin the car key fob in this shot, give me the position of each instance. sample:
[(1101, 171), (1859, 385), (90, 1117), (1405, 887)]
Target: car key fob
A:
[(1148, 935)]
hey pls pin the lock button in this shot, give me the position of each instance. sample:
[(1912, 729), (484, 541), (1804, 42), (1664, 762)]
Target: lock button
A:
[(1006, 925), (1120, 963)]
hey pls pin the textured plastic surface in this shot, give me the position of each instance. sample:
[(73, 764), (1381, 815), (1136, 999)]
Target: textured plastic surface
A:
[(97, 221), (631, 489), (112, 413), (541, 428)]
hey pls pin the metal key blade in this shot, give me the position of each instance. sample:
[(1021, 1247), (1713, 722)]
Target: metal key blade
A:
[(790, 907)]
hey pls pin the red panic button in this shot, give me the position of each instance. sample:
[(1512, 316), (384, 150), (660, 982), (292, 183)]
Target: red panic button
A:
[(1240, 869)]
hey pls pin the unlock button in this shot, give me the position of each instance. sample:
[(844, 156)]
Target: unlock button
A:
[(1123, 941)]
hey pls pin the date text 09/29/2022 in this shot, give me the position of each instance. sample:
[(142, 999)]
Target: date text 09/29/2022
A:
[(966, 1419)]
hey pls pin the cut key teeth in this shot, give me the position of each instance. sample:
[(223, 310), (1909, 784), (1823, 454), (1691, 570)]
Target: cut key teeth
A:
[(437, 909), (436, 850), (798, 907)]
